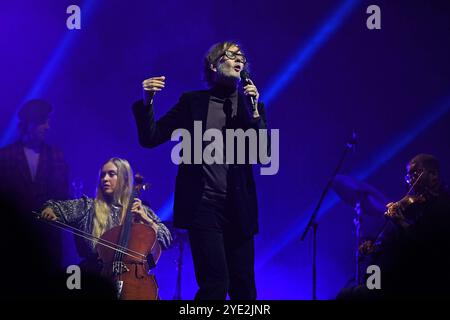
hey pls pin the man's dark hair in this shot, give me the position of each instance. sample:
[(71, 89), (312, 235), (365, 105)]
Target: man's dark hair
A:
[(427, 161), (214, 53), (34, 111)]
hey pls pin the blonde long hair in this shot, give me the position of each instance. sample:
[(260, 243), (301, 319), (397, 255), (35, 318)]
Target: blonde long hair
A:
[(121, 196)]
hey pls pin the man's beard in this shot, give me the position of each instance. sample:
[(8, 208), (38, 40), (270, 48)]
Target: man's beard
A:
[(227, 79)]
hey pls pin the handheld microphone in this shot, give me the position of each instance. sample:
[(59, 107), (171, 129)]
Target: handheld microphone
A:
[(245, 77)]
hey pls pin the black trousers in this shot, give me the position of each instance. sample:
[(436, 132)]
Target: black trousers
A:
[(223, 259)]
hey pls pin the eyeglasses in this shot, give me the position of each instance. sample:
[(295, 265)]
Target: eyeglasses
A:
[(412, 176), (233, 55)]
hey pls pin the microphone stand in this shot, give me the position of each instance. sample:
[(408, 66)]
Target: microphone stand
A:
[(312, 223)]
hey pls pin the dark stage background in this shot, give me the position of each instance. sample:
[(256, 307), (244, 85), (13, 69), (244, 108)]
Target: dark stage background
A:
[(320, 71)]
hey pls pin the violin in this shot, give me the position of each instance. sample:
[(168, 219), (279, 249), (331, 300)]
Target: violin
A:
[(396, 210), (400, 209), (402, 212)]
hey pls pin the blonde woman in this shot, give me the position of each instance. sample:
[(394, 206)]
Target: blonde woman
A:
[(107, 210)]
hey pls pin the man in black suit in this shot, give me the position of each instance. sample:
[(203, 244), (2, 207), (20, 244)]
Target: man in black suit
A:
[(216, 202), (32, 172)]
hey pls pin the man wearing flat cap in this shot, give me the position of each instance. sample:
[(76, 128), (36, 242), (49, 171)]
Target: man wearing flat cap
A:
[(32, 171)]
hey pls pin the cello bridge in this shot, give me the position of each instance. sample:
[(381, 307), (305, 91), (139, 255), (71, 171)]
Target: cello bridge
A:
[(119, 267)]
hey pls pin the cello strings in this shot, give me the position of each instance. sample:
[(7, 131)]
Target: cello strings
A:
[(90, 237), (63, 226)]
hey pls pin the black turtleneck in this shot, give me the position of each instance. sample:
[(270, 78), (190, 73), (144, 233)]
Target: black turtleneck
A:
[(222, 111)]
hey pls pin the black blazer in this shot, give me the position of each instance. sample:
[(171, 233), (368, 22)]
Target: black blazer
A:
[(51, 182), (193, 106)]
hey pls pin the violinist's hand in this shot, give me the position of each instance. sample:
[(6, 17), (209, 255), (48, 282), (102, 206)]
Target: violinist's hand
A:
[(150, 86), (48, 214), (141, 214), (367, 247), (394, 212)]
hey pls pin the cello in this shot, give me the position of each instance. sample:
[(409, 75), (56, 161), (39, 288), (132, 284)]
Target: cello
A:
[(127, 252), (138, 251)]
